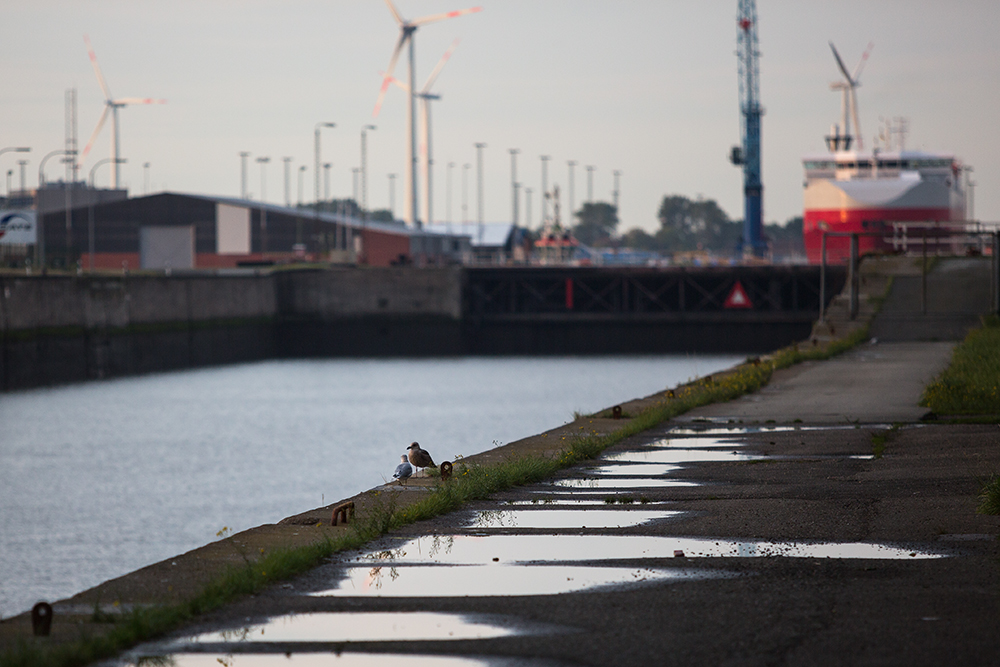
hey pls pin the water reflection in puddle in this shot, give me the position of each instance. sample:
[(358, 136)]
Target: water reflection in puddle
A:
[(481, 549), (495, 579), (563, 518), (699, 443), (578, 500), (637, 470), (673, 455), (619, 482), (326, 659), (363, 627)]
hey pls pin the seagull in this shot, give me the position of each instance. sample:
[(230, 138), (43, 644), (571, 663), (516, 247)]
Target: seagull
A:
[(419, 457), (403, 470)]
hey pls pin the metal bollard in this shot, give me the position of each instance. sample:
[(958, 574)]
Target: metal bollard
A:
[(446, 468), (41, 619), (616, 412)]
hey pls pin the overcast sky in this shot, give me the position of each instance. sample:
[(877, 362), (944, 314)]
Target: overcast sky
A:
[(645, 87)]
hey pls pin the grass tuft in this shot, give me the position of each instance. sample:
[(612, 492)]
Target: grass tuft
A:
[(989, 497), (971, 383)]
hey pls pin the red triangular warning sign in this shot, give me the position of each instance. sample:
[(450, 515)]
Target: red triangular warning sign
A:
[(738, 298)]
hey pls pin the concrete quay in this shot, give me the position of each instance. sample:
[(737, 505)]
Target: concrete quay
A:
[(741, 533)]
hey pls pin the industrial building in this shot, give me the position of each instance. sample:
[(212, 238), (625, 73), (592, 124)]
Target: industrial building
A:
[(184, 231)]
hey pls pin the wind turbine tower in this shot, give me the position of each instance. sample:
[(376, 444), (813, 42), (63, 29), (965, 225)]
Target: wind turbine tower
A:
[(748, 155), (111, 105), (406, 31)]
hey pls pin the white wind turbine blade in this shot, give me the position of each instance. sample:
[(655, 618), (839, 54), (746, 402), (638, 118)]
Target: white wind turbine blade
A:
[(840, 64), (439, 67), (395, 81), (403, 36), (93, 136), (434, 18), (395, 13), (97, 68), (137, 100), (861, 63)]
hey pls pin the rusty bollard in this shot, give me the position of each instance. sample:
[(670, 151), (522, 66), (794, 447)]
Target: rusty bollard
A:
[(616, 412), (41, 619), (344, 512), (445, 470)]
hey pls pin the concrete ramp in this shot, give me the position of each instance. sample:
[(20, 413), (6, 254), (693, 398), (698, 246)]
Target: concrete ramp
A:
[(958, 293)]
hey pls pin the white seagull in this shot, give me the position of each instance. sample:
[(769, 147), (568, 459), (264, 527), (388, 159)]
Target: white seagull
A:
[(403, 470)]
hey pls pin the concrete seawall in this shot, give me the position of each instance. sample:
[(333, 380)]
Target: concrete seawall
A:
[(56, 329)]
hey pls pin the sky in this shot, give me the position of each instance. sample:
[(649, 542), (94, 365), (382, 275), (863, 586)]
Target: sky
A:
[(646, 87)]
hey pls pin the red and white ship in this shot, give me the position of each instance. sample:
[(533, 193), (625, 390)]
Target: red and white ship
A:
[(878, 192)]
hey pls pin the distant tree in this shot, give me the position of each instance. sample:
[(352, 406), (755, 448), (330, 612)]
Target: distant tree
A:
[(639, 239), (689, 225), (786, 240), (381, 215), (597, 222)]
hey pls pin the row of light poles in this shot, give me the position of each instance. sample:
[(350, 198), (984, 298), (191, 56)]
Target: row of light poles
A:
[(515, 187)]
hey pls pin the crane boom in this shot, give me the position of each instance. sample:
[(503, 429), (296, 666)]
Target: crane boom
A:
[(750, 113)]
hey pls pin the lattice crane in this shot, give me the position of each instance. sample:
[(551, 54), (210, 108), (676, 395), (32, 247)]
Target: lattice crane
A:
[(748, 155)]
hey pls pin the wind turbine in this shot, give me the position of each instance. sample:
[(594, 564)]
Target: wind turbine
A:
[(426, 150), (406, 30), (850, 98), (111, 106)]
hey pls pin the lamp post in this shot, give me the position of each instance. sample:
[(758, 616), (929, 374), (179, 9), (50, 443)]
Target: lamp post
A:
[(364, 171), (90, 217), (479, 187), (617, 174), (590, 183), (326, 180), (527, 207), (262, 161), (319, 126), (40, 242), (41, 165), (392, 195), (465, 193), (145, 180), (22, 164), (243, 174), (451, 165), (13, 149), (572, 199), (10, 175), (302, 171), (288, 181), (513, 184), (545, 187)]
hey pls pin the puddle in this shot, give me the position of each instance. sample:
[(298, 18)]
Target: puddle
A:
[(763, 428), (495, 579), (638, 469), (362, 627), (508, 549), (565, 518), (326, 659), (619, 482), (698, 443), (577, 501), (667, 455)]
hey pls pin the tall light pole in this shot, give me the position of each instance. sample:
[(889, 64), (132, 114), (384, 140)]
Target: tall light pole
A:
[(41, 165), (22, 164), (465, 193), (90, 222), (451, 165), (354, 174), (617, 174), (364, 171), (145, 180), (545, 187), (590, 184), (527, 207), (513, 184), (326, 181), (13, 149), (302, 172), (319, 126), (479, 186), (262, 161), (392, 195), (288, 180), (572, 199), (243, 174)]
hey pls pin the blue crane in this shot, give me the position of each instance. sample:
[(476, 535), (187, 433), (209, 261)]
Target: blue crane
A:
[(750, 112)]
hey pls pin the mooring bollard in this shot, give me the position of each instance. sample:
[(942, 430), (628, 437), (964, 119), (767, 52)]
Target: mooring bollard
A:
[(616, 412), (41, 619), (445, 469)]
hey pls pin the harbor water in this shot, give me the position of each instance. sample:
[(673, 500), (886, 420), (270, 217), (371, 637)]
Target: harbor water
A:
[(102, 478)]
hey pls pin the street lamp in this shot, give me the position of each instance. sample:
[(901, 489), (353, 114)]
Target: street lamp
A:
[(451, 165), (22, 164), (90, 217), (545, 186), (465, 194), (302, 171), (243, 174), (572, 204), (41, 165), (513, 184), (319, 126), (145, 180), (590, 183), (326, 180), (288, 180), (392, 195), (364, 171), (479, 199), (617, 174), (262, 161)]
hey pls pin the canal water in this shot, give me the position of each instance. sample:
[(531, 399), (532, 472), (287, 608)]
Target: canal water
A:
[(102, 478)]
